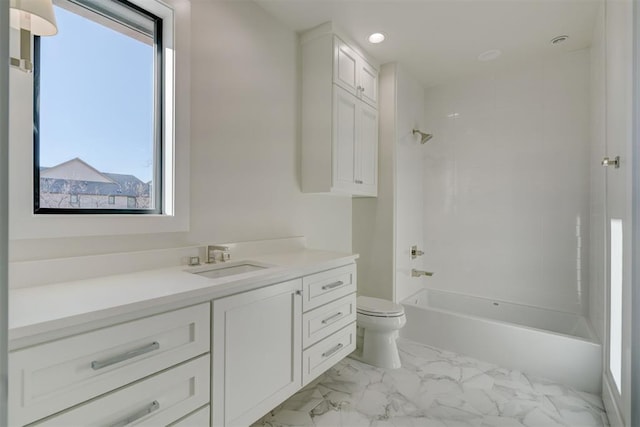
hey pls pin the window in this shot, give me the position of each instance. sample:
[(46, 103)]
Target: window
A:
[(98, 110), (615, 302)]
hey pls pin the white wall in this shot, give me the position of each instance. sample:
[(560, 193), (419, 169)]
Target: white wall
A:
[(4, 208), (384, 228), (597, 253), (619, 84), (409, 191), (245, 150), (507, 184), (244, 145), (373, 218)]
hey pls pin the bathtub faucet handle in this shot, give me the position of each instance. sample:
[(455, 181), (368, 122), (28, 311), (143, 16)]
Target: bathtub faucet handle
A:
[(419, 273), (415, 252)]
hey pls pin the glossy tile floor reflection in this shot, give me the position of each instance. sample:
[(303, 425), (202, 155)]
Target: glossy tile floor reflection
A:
[(435, 388)]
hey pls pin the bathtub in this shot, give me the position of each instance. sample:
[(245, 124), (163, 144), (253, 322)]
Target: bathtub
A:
[(548, 343)]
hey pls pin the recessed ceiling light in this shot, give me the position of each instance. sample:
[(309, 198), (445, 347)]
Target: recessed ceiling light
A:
[(489, 55), (559, 39), (376, 38)]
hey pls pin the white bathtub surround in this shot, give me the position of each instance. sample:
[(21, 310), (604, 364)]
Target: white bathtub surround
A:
[(506, 184), (435, 388), (554, 344)]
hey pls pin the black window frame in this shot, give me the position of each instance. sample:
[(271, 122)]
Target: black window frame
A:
[(159, 138)]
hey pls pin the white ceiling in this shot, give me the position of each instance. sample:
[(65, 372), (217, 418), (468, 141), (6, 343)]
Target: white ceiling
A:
[(439, 40)]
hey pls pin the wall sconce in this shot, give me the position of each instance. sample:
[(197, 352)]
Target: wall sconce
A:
[(31, 17)]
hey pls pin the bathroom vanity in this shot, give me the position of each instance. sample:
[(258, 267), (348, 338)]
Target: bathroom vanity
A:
[(174, 347)]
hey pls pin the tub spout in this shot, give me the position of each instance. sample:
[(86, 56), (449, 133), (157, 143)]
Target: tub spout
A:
[(419, 273)]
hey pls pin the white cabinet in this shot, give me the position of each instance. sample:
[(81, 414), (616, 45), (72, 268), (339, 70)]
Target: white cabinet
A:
[(269, 342), (225, 362), (155, 401), (355, 136), (328, 352), (256, 352), (324, 321), (353, 73), (47, 378), (326, 286), (199, 418), (329, 319), (339, 116)]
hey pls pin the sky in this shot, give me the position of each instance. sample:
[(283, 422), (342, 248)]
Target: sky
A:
[(96, 98)]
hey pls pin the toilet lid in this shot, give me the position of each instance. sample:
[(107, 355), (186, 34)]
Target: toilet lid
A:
[(378, 307)]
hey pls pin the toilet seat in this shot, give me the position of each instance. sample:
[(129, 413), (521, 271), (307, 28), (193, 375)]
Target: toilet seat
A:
[(377, 307)]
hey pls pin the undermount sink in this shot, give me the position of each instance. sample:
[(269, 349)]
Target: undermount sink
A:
[(229, 269)]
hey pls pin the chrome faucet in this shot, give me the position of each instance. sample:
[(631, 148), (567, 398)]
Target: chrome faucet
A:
[(419, 273), (210, 253)]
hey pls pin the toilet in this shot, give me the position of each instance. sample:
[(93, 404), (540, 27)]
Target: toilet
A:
[(379, 322)]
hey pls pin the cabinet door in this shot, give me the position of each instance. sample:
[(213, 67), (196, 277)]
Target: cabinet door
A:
[(367, 152), (368, 77), (345, 121), (345, 67), (256, 352)]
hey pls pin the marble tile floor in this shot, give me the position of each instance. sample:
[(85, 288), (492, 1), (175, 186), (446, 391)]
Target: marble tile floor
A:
[(434, 388)]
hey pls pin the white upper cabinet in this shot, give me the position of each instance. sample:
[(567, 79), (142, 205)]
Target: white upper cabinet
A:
[(339, 116), (368, 150), (355, 139), (345, 66), (353, 73), (346, 116)]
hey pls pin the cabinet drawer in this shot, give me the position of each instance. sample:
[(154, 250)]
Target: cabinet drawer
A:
[(328, 352), (47, 378), (199, 418), (327, 319), (327, 286), (154, 401)]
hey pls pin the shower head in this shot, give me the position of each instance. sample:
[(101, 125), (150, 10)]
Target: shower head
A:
[(424, 137)]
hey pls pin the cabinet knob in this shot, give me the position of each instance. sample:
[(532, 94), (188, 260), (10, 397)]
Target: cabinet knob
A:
[(415, 252), (615, 162), (298, 292), (358, 181)]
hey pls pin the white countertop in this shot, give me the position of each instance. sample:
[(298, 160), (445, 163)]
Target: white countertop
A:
[(35, 312)]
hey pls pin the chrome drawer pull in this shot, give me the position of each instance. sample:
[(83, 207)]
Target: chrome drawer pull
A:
[(153, 406), (333, 285), (97, 364), (330, 318), (333, 350)]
